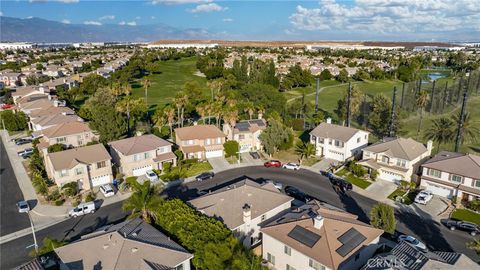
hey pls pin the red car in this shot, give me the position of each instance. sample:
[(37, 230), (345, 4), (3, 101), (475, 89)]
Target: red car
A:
[(272, 163)]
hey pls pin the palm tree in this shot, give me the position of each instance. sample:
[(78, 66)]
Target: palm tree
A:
[(421, 101), (250, 109), (305, 150), (470, 130), (474, 245), (202, 110), (441, 131), (181, 100), (146, 84), (170, 115), (125, 106), (143, 202)]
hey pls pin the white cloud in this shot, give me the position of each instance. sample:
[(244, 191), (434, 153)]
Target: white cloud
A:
[(107, 17), (1, 13), (92, 23), (228, 20), (138, 18), (122, 23), (60, 1), (66, 21), (210, 7), (153, 17), (178, 2), (389, 16), (132, 23), (29, 17)]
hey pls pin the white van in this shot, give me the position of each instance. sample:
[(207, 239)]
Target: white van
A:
[(82, 209)]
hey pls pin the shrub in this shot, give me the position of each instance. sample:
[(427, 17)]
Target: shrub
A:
[(59, 202), (166, 166), (54, 195), (90, 197), (373, 175), (189, 161), (382, 217), (179, 154), (231, 148), (70, 189), (119, 176), (404, 185), (14, 121), (356, 169), (58, 147), (474, 205)]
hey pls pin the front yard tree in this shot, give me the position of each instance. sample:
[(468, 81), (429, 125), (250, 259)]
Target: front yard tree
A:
[(305, 150), (13, 121), (441, 131), (109, 123), (231, 148), (379, 117), (382, 217), (274, 136), (144, 201)]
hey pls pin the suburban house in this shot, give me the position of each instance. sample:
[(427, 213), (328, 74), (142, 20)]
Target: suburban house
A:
[(318, 236), (243, 207), (89, 166), (132, 244), (71, 134), (405, 256), (48, 121), (395, 159), (136, 155), (246, 133), (451, 174), (200, 141), (10, 78), (27, 91), (337, 142)]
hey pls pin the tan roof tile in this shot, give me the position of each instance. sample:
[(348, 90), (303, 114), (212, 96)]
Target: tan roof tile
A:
[(138, 144), (70, 158), (407, 149), (326, 130), (461, 164), (65, 129), (200, 132)]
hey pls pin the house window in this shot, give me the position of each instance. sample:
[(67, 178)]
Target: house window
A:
[(385, 159), (79, 137), (207, 142), (358, 139), (476, 183), (137, 157), (271, 258), (78, 171), (456, 178), (180, 267), (61, 139), (434, 173), (330, 141), (290, 267), (287, 250), (365, 137), (63, 173), (315, 265), (146, 155), (241, 136), (401, 163), (219, 140), (101, 164), (189, 142), (162, 149)]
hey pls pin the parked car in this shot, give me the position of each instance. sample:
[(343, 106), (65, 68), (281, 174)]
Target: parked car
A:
[(341, 183), (26, 153), (413, 241), (297, 194), (23, 207), (278, 185), (22, 141), (255, 155), (469, 227), (272, 163), (205, 176), (291, 166), (423, 197), (152, 176), (82, 209), (107, 190)]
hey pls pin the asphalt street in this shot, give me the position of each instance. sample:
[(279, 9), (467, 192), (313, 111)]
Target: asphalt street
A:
[(10, 219), (419, 224)]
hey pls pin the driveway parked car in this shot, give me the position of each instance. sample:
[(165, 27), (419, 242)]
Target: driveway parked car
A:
[(272, 163), (152, 176), (107, 190), (22, 141), (255, 155), (423, 197), (23, 207), (205, 176), (469, 227), (341, 183), (291, 166), (297, 194), (26, 153), (413, 241)]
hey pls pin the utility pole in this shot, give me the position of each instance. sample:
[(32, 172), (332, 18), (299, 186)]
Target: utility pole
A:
[(432, 100), (403, 95), (316, 94), (349, 96), (33, 233), (392, 120), (461, 121), (460, 83), (364, 109)]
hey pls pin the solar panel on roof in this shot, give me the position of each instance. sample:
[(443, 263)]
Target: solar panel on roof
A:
[(242, 126), (350, 240), (304, 236), (259, 122)]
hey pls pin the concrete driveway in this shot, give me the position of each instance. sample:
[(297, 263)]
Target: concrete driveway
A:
[(435, 207), (322, 165), (380, 189), (247, 159), (219, 164)]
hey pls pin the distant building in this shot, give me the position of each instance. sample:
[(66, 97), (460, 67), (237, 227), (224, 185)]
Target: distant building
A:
[(15, 46), (352, 47), (183, 45)]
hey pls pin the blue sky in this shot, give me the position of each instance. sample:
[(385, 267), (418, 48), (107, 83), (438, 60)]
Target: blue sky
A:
[(426, 20)]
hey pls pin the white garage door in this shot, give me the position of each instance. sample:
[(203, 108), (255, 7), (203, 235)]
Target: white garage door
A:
[(438, 190), (100, 180), (388, 176), (211, 154), (335, 155), (141, 170)]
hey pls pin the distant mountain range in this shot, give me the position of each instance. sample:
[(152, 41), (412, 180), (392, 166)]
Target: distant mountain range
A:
[(40, 30)]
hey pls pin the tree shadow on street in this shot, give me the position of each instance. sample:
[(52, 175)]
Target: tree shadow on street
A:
[(350, 205)]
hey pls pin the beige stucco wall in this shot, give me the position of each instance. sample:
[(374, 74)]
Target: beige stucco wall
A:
[(128, 163)]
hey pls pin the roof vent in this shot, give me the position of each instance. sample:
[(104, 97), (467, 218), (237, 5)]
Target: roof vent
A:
[(318, 222), (105, 246), (134, 250), (134, 234)]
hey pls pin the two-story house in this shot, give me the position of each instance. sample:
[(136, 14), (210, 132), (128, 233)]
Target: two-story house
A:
[(244, 207), (136, 155), (450, 174), (318, 236), (246, 133), (71, 134), (395, 159), (89, 166), (337, 142), (10, 78), (200, 141)]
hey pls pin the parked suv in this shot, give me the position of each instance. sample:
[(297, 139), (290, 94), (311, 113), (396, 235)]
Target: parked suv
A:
[(297, 194), (341, 183), (205, 176), (23, 141), (469, 227), (272, 163), (26, 153), (82, 209)]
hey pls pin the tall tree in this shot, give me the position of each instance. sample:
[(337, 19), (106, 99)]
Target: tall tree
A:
[(421, 102), (274, 136), (470, 130), (382, 217), (379, 116), (441, 131), (146, 84), (305, 150), (355, 101), (144, 201)]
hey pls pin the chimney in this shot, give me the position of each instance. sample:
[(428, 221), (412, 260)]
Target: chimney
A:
[(329, 120), (260, 115), (247, 214), (429, 146), (318, 222), (49, 96)]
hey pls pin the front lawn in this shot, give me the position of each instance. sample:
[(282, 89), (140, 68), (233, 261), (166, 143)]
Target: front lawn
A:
[(408, 199), (198, 168), (357, 181), (310, 161), (466, 215)]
